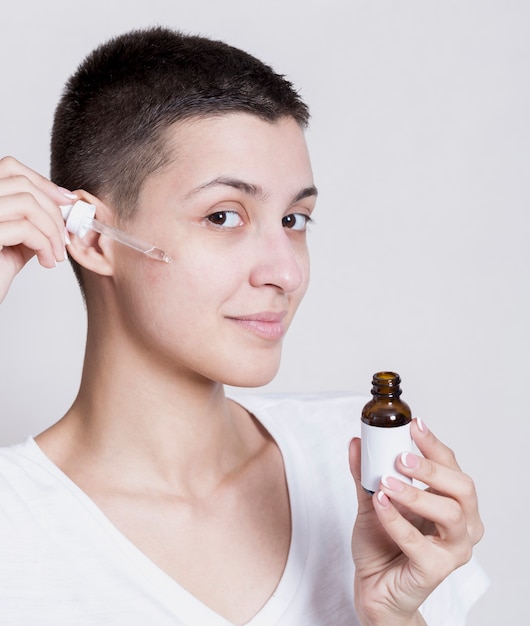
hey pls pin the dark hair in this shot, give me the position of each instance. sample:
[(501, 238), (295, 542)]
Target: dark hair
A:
[(108, 132)]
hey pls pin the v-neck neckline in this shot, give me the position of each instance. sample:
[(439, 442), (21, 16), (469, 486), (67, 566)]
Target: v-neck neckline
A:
[(180, 602)]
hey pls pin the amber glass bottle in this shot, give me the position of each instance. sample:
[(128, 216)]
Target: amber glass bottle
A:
[(385, 431)]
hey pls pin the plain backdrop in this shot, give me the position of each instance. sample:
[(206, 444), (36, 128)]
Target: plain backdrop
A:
[(420, 253)]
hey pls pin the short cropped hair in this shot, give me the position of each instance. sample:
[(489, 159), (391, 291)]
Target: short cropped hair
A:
[(109, 128)]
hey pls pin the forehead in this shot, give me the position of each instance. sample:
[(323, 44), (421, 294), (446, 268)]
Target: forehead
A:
[(236, 143)]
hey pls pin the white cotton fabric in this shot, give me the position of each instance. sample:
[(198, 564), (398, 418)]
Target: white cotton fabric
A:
[(63, 562)]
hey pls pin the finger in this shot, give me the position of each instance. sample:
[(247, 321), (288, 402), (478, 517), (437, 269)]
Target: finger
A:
[(364, 498), (14, 186), (10, 167), (28, 207), (17, 178), (443, 476), (22, 233), (430, 558), (445, 513), (430, 446), (355, 457)]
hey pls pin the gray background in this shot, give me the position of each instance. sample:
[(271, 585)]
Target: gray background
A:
[(420, 146)]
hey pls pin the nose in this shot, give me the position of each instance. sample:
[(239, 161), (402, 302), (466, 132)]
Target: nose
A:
[(279, 262)]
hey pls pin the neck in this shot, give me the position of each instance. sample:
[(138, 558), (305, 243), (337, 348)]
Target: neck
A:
[(149, 422)]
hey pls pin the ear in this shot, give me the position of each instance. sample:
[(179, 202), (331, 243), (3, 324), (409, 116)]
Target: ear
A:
[(93, 251)]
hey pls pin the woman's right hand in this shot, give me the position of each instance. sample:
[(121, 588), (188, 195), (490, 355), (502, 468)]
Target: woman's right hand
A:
[(30, 220)]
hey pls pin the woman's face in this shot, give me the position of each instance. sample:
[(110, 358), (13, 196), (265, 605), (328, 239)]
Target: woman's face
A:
[(231, 209)]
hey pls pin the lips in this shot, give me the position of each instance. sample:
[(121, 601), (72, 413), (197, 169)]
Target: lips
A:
[(267, 325)]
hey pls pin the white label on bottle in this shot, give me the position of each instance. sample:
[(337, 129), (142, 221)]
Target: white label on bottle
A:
[(380, 448)]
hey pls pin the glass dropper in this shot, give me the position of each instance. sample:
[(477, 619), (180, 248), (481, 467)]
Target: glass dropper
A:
[(80, 219), (127, 240)]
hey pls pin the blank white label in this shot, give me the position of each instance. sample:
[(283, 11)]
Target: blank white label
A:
[(380, 448)]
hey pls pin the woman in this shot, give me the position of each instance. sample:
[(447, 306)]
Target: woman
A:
[(156, 499)]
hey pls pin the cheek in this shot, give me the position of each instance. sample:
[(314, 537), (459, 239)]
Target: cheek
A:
[(197, 286)]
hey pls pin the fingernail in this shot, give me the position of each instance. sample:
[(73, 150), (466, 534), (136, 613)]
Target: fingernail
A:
[(66, 238), (67, 193), (409, 460), (421, 425), (383, 499), (392, 483)]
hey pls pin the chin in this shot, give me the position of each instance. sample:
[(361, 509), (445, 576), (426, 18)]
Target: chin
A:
[(251, 376)]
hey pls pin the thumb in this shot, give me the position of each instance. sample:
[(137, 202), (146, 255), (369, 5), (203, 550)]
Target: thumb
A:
[(363, 497)]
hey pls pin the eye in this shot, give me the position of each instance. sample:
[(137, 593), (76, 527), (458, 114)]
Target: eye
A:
[(296, 221), (225, 219)]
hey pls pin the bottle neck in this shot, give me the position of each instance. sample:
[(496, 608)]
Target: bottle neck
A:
[(386, 385)]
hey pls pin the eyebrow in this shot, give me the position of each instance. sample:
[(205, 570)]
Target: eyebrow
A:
[(249, 188)]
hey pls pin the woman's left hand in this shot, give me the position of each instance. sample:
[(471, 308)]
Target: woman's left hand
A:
[(407, 540)]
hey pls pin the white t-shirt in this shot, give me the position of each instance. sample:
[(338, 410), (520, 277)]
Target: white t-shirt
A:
[(63, 562)]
